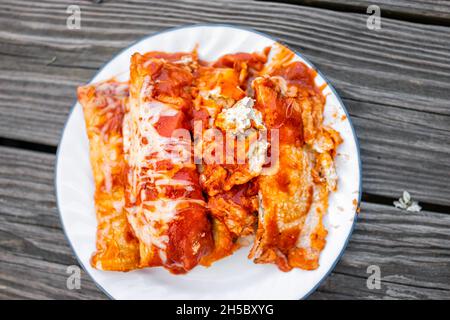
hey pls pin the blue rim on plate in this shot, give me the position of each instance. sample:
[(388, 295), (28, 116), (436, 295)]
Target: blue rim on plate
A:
[(275, 40)]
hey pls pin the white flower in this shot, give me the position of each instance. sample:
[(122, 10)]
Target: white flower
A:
[(406, 203)]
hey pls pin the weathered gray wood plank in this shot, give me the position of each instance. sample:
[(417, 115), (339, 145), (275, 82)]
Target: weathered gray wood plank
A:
[(410, 249), (403, 150), (27, 190), (403, 64), (34, 253), (397, 91), (35, 98), (430, 11), (34, 262)]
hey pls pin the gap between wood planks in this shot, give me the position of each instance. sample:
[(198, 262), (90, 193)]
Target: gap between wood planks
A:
[(362, 9), (378, 199), (366, 197), (25, 145)]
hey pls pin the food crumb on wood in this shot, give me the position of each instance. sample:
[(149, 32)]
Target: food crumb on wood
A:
[(406, 203), (51, 61)]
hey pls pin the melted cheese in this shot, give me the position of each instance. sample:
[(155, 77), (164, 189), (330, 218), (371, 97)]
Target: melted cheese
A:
[(145, 147), (116, 247), (151, 225)]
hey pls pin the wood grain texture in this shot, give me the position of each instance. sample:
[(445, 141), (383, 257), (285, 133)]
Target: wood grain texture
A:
[(410, 249), (403, 149), (395, 82), (34, 253), (422, 11)]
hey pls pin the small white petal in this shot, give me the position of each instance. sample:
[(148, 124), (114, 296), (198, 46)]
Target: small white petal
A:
[(414, 207), (406, 196), (399, 205), (406, 203)]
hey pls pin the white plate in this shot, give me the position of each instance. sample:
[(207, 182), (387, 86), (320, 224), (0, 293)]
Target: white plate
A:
[(235, 277)]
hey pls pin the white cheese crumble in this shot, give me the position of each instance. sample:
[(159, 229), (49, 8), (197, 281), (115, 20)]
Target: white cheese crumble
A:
[(239, 117)]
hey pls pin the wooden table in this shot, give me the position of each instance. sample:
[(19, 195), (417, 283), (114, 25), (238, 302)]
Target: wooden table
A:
[(395, 83)]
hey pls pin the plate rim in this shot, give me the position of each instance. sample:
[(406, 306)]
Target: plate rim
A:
[(232, 26)]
